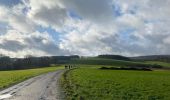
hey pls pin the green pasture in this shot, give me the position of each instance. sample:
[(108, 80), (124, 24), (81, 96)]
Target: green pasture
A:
[(92, 83)]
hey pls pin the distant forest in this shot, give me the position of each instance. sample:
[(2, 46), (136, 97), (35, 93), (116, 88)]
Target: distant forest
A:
[(7, 63), (117, 57)]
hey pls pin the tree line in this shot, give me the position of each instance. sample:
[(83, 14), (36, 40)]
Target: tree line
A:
[(116, 57), (7, 63)]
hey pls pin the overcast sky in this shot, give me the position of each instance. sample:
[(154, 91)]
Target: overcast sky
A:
[(84, 27)]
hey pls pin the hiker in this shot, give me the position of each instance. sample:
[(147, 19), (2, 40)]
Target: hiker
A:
[(66, 66)]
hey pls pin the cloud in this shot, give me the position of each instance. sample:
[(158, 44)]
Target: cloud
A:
[(89, 39), (98, 11), (47, 13), (129, 20), (3, 13), (149, 24), (17, 44), (85, 27), (54, 13), (16, 19)]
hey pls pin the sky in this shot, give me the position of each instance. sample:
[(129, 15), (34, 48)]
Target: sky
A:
[(84, 27)]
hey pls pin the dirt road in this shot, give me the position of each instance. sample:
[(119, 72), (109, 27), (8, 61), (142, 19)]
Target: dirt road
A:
[(43, 87)]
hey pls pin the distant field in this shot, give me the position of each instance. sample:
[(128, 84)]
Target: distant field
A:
[(101, 61), (164, 64), (96, 84), (112, 62), (8, 78)]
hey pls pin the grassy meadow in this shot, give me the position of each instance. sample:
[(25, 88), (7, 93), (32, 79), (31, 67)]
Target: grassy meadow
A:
[(117, 63), (8, 78), (164, 64), (92, 83), (101, 61)]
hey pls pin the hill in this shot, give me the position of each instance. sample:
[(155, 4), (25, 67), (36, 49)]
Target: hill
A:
[(116, 57), (165, 58), (111, 62)]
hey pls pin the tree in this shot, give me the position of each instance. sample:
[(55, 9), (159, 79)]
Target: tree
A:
[(5, 63)]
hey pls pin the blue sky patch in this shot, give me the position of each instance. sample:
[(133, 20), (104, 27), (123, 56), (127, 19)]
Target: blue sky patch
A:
[(74, 15), (117, 10), (52, 32), (125, 35), (9, 2)]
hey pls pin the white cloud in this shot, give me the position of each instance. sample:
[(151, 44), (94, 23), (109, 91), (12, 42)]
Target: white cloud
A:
[(136, 27), (3, 13), (49, 13), (149, 20), (98, 11), (14, 43), (16, 19), (89, 39), (129, 20)]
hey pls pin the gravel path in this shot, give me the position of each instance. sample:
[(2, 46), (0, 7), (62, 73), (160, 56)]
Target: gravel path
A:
[(43, 87)]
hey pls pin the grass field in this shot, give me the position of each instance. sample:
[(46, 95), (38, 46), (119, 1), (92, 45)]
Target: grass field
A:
[(95, 84), (101, 61), (164, 64), (8, 78), (112, 62)]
